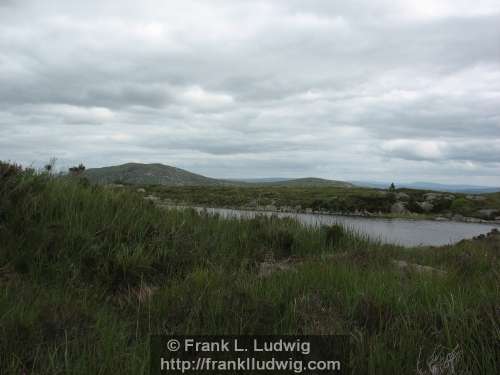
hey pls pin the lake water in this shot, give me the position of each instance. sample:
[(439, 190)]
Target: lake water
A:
[(396, 231)]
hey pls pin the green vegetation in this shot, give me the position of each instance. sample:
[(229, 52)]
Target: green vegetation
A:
[(333, 200), (328, 198), (87, 273), (303, 194)]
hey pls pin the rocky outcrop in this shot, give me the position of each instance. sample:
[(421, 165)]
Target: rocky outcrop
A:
[(488, 212), (417, 268), (271, 266), (429, 197), (472, 220), (426, 206), (492, 237)]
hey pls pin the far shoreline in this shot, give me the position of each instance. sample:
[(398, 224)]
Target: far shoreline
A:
[(409, 217)]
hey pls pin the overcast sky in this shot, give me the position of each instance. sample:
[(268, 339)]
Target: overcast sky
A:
[(353, 90)]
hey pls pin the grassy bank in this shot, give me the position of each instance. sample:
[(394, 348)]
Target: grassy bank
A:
[(87, 273)]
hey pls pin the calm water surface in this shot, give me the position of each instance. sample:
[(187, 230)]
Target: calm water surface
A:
[(397, 231)]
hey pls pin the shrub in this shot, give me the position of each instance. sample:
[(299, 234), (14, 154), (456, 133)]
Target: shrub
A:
[(461, 205), (8, 170), (77, 170)]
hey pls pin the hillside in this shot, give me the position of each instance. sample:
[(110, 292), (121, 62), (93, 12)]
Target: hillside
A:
[(160, 174), (148, 174)]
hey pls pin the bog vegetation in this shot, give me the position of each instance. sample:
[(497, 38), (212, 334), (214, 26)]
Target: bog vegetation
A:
[(416, 203), (87, 273)]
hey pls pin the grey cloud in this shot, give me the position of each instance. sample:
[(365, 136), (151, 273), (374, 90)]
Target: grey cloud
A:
[(272, 88), (486, 151)]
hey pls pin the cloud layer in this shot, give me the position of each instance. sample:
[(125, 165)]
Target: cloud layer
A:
[(345, 90)]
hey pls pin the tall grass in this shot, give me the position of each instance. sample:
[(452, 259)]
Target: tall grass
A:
[(87, 273)]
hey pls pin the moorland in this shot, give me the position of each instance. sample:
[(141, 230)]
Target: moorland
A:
[(87, 273)]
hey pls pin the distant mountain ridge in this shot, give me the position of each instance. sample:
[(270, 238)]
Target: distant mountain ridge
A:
[(160, 174), (309, 181), (260, 180), (471, 189), (281, 181), (148, 174)]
